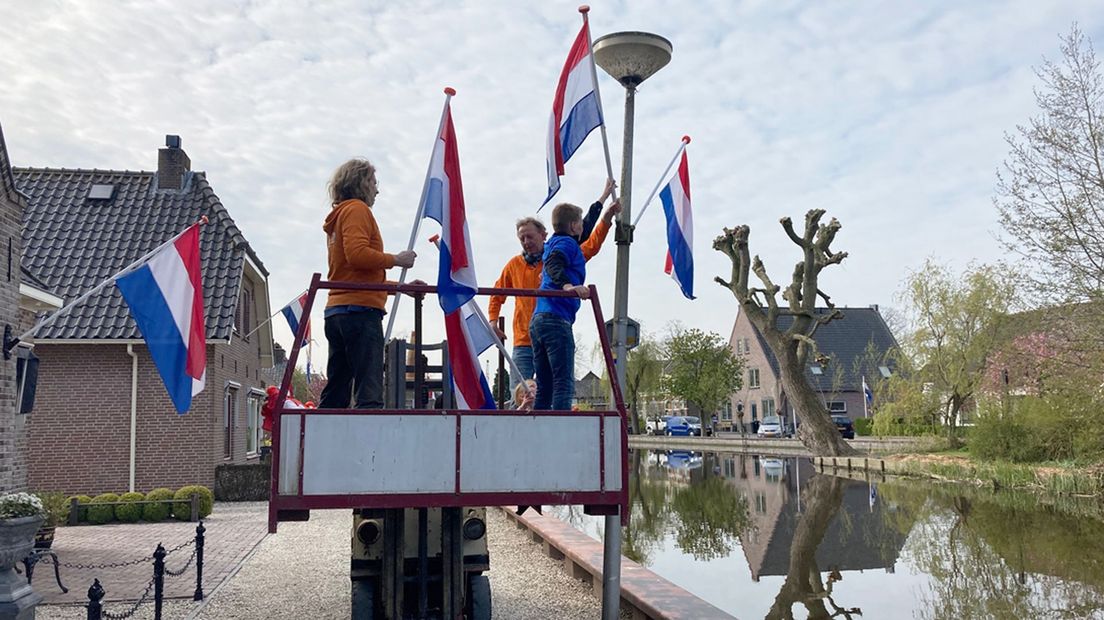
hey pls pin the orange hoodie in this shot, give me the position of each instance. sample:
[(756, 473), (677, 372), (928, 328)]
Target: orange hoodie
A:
[(356, 254), (518, 274)]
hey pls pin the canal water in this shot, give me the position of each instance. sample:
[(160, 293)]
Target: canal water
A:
[(768, 537)]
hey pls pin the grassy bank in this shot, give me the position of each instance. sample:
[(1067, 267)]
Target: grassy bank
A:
[(1053, 478)]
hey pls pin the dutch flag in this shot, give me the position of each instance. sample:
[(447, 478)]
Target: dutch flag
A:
[(293, 312), (575, 110), (165, 296), (680, 229), (456, 284)]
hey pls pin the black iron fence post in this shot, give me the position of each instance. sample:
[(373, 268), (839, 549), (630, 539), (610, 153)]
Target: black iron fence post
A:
[(158, 580), (199, 561), (95, 595)]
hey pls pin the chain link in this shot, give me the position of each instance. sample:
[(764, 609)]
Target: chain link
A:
[(177, 573), (118, 564), (130, 612)]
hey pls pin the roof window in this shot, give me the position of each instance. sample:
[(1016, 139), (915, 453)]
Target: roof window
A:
[(101, 192)]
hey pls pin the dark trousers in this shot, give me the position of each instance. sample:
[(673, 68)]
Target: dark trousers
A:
[(355, 363), (553, 361)]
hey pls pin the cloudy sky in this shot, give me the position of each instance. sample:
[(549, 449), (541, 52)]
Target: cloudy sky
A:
[(889, 115)]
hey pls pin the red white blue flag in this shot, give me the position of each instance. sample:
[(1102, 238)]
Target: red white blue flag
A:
[(165, 295), (293, 312), (445, 203), (680, 229), (575, 110), (456, 284)]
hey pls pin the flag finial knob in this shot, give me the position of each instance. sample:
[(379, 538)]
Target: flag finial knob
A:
[(450, 91), (584, 8), (686, 139)]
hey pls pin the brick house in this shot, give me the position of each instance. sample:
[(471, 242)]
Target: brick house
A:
[(21, 295), (103, 420), (856, 344), (590, 393)]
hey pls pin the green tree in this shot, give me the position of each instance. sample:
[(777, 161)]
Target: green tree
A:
[(301, 388), (643, 375), (711, 515), (701, 369), (957, 322)]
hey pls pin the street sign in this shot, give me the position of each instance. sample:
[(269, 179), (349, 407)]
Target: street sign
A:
[(632, 333)]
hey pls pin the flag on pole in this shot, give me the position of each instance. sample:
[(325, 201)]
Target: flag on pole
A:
[(456, 284), (444, 202), (868, 394), (575, 110), (293, 312), (680, 228), (165, 296)]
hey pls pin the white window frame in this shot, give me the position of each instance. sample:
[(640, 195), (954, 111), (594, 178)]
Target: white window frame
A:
[(753, 379), (768, 408), (254, 400), (833, 408)]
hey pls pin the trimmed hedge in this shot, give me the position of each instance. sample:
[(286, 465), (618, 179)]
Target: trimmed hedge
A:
[(102, 514), (157, 512), (182, 509), (82, 510), (127, 511), (864, 427)]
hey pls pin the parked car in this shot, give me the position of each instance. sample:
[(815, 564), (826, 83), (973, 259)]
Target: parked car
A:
[(771, 426), (684, 426), (681, 459), (844, 425)]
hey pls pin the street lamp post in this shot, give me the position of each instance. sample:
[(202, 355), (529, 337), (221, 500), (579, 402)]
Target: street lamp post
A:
[(630, 58)]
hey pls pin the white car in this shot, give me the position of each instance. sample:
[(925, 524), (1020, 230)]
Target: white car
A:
[(771, 427)]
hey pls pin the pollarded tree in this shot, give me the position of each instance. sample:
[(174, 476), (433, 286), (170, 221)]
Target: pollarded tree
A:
[(794, 345)]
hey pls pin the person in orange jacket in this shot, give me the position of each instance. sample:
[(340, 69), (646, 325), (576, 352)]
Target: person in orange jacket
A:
[(524, 271), (354, 319)]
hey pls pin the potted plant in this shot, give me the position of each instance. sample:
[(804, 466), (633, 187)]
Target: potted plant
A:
[(56, 506), (20, 516)]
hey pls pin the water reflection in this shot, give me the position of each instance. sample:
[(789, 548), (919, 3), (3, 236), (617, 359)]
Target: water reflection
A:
[(761, 536)]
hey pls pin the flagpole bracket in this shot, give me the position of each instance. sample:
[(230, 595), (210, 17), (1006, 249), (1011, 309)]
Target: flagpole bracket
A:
[(623, 234), (10, 341)]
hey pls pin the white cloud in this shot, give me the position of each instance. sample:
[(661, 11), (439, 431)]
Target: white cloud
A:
[(888, 115)]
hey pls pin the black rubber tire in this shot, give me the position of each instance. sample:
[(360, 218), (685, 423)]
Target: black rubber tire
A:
[(365, 599), (479, 597)]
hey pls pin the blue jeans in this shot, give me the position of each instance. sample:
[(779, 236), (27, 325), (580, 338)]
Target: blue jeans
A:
[(553, 361), (523, 359)]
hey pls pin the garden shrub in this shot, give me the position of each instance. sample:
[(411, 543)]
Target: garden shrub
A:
[(864, 426), (127, 511), (82, 509), (102, 514), (157, 512), (182, 509)]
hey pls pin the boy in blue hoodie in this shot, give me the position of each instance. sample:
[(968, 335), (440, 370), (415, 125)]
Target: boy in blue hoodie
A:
[(553, 318)]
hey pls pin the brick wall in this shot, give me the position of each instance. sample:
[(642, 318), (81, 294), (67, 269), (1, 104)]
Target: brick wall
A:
[(755, 358), (79, 433), (13, 475)]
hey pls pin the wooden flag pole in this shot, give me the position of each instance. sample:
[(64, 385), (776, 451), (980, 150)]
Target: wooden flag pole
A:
[(681, 148), (449, 94)]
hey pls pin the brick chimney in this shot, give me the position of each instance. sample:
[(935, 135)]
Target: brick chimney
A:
[(172, 163)]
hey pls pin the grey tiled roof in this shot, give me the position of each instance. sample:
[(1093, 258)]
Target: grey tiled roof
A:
[(72, 243), (845, 340)]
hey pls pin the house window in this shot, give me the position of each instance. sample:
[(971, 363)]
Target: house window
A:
[(229, 415), (756, 465), (753, 378), (761, 502), (816, 369), (726, 413), (245, 311), (754, 412), (747, 346), (885, 371), (739, 346), (768, 407), (253, 423), (837, 406)]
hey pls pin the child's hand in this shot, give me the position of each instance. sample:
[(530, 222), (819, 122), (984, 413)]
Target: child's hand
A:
[(582, 291)]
